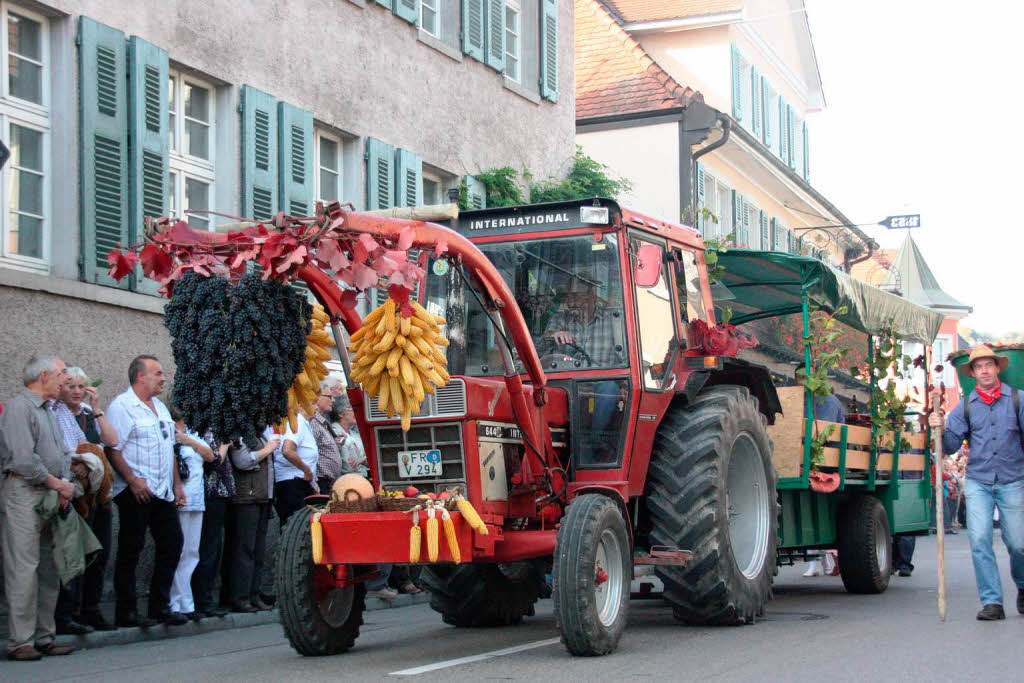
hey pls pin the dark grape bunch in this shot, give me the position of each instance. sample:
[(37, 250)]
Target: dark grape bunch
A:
[(237, 349)]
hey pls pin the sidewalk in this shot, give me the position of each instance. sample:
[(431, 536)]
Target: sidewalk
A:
[(125, 636)]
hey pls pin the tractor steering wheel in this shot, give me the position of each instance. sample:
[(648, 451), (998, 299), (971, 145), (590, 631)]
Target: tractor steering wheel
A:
[(553, 353)]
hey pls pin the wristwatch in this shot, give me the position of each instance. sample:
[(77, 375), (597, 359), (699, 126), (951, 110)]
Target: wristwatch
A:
[(98, 415)]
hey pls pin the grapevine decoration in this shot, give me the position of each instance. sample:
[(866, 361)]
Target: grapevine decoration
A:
[(889, 366), (249, 350), (825, 358)]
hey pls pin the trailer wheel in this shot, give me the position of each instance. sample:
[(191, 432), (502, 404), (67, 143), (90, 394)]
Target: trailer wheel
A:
[(864, 544), (711, 490), (470, 595), (318, 618), (592, 569)]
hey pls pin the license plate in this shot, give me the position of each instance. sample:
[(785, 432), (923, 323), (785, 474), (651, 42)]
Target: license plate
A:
[(419, 463)]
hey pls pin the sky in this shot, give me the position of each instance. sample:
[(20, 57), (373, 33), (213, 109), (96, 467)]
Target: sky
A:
[(922, 109)]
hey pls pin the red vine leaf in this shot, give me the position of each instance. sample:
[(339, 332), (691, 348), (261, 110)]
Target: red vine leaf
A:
[(440, 248), (329, 251), (181, 232), (296, 257), (121, 263), (348, 299), (156, 263), (368, 243), (405, 239)]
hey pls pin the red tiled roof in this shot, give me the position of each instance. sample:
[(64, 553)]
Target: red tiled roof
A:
[(614, 75), (630, 11)]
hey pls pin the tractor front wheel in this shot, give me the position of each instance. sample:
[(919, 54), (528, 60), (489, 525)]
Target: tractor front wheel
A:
[(318, 617), (864, 545), (592, 571)]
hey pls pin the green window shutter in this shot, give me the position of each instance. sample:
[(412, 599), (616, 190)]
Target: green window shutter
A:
[(791, 136), (295, 160), (380, 176), (756, 103), (807, 155), (699, 181), (103, 131), (776, 235), (408, 10), (496, 34), (476, 191), (737, 84), (737, 215), (147, 143), (766, 233), (384, 3), (549, 50), (408, 179), (766, 103), (259, 154), (783, 130), (473, 28)]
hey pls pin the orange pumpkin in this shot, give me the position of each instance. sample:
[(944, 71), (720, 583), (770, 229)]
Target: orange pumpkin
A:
[(359, 485)]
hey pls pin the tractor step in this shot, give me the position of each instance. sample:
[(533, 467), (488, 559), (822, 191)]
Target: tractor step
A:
[(664, 555)]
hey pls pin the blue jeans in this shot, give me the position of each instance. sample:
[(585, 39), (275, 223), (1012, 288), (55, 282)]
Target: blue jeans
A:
[(981, 501)]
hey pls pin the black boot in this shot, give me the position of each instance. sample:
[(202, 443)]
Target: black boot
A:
[(992, 612)]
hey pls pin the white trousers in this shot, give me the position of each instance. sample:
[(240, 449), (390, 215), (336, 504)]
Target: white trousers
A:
[(181, 589)]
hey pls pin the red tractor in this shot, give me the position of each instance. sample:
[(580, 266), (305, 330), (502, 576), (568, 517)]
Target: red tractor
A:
[(582, 423)]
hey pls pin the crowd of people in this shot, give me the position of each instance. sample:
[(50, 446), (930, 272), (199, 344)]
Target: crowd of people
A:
[(206, 505)]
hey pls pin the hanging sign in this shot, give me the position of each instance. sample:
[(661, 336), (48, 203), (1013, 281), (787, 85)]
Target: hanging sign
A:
[(900, 222)]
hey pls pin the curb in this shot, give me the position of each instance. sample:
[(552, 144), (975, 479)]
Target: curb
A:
[(127, 636)]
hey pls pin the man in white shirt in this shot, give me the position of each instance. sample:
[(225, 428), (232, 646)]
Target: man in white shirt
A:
[(294, 469), (147, 491)]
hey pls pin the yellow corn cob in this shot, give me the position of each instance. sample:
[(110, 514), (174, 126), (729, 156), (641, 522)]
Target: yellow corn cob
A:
[(393, 357), (441, 341), (415, 538), (419, 322), (397, 395), (386, 342), (373, 316), (372, 385), (411, 350), (439, 358), (405, 326), (407, 371), (383, 399), (432, 535), (359, 334), (449, 534), (401, 341), (422, 363), (444, 375), (416, 331), (406, 419), (469, 514), (317, 533), (320, 315), (293, 423), (379, 364), (417, 388), (383, 325), (423, 346), (434, 376)]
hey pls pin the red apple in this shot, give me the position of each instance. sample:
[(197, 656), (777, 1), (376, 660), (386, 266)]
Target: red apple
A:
[(445, 495), (431, 496), (411, 491)]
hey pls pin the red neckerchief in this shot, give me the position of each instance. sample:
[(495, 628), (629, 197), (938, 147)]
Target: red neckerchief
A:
[(990, 397)]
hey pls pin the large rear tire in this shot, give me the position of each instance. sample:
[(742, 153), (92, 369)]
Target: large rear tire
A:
[(864, 545), (318, 619), (471, 595), (592, 569), (711, 490)]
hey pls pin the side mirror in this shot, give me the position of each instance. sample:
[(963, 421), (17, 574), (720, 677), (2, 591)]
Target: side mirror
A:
[(648, 265)]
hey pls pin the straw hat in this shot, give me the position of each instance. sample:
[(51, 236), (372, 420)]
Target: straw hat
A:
[(979, 352)]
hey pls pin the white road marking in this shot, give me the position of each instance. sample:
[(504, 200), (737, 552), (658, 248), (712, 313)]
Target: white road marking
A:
[(474, 658)]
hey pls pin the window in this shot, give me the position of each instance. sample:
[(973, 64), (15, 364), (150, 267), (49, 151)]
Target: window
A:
[(191, 141), (24, 126), (654, 321), (430, 17), (718, 200), (329, 167), (512, 31), (433, 190), (689, 289)]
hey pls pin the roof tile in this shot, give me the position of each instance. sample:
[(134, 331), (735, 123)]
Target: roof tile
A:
[(630, 11)]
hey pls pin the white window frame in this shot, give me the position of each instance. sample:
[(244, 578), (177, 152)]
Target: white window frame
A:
[(434, 5), (434, 178), (186, 166), (15, 111), (318, 191), (514, 55)]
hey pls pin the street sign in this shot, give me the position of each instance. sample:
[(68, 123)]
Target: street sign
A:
[(899, 222), (5, 154)]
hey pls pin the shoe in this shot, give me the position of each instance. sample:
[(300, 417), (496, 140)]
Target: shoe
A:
[(171, 618), (96, 620), (243, 607), (25, 653), (134, 620), (813, 569), (73, 628), (992, 612), (950, 532), (260, 606), (52, 649), (410, 588), (1020, 601), (217, 612), (383, 594), (193, 616), (903, 572)]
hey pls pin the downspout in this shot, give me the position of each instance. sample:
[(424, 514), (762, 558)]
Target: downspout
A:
[(726, 127)]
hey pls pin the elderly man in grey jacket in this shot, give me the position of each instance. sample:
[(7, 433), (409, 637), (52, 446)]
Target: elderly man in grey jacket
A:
[(34, 460)]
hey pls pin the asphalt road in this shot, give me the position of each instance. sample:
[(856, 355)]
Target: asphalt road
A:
[(813, 630)]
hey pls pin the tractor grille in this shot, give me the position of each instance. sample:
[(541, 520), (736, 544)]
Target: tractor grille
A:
[(446, 437), (448, 401)]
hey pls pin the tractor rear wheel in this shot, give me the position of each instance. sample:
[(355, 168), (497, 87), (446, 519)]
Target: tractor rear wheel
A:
[(711, 490), (318, 617), (471, 595), (592, 569), (865, 546)]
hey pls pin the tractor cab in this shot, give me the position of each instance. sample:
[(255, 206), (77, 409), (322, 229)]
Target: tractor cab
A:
[(606, 295)]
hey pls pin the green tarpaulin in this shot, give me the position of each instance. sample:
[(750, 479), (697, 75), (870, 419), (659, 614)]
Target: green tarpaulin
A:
[(764, 284)]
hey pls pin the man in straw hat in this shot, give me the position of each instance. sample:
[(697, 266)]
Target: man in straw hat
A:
[(990, 418)]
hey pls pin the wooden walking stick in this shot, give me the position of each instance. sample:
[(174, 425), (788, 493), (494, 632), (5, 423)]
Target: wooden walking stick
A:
[(940, 524)]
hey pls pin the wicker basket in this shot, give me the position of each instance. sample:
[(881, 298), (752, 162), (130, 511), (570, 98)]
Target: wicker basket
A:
[(392, 504), (351, 501)]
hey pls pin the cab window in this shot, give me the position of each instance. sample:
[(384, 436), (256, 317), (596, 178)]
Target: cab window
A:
[(654, 323)]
